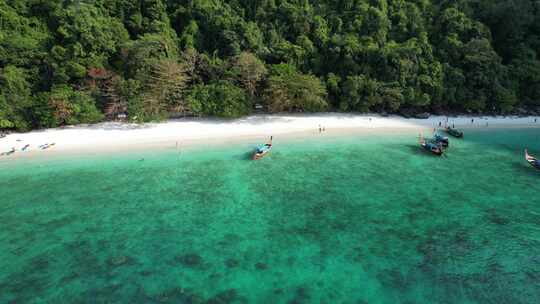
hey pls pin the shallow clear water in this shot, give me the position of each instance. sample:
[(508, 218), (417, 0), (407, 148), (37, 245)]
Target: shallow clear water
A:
[(346, 220)]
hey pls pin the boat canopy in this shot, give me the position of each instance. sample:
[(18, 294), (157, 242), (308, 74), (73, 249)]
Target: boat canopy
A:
[(431, 145), (262, 149)]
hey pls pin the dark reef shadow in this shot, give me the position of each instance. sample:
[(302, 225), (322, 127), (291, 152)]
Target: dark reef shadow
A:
[(416, 149), (246, 155), (526, 169)]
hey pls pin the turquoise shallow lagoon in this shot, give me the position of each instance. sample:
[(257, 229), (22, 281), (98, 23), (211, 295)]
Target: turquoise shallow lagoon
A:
[(343, 220)]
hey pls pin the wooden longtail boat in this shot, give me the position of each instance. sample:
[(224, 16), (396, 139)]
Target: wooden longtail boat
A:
[(263, 150), (454, 132), (443, 140), (532, 160), (432, 147)]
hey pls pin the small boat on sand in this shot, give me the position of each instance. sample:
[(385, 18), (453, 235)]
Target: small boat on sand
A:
[(46, 146), (263, 150), (12, 151), (430, 146), (443, 140), (533, 161), (453, 132)]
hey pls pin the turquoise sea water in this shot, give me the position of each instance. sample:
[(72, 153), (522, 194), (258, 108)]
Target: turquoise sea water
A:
[(344, 220)]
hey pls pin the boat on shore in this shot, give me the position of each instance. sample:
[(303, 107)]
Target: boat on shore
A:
[(454, 132), (12, 151), (533, 161), (430, 146), (263, 150)]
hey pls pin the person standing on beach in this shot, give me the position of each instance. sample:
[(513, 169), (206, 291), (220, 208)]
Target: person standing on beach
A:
[(535, 120), (472, 121), (440, 124), (320, 129)]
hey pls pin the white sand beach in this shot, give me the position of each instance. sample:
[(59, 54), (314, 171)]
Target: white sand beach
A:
[(114, 136)]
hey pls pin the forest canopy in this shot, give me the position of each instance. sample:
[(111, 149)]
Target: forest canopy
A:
[(69, 62)]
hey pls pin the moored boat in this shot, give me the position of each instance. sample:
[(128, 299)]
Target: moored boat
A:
[(263, 150), (533, 161), (433, 147), (443, 140), (454, 132)]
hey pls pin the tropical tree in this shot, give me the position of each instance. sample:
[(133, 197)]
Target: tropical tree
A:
[(249, 70), (289, 90), (222, 99), (150, 57), (15, 98)]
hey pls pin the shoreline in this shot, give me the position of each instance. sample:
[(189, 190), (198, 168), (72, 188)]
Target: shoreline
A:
[(111, 137)]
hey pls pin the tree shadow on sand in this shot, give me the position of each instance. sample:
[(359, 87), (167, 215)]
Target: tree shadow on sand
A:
[(116, 126)]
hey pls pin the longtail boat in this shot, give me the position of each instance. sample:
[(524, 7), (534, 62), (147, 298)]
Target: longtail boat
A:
[(454, 132), (263, 150), (430, 146), (443, 140), (532, 160)]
